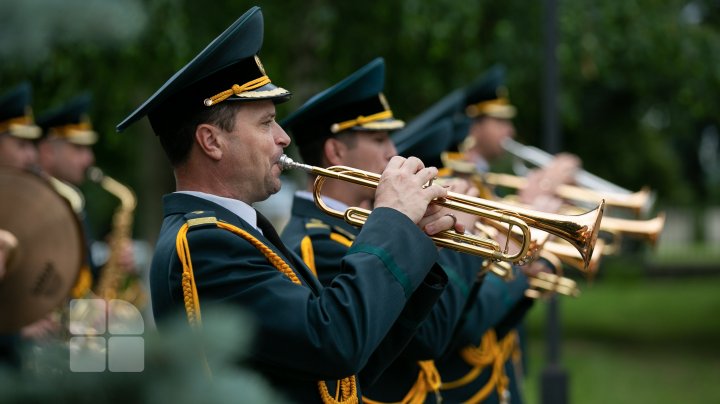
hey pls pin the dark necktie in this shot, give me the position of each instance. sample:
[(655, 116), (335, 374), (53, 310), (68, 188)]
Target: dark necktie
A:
[(269, 232)]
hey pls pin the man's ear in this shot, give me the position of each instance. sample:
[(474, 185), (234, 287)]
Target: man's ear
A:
[(334, 151), (209, 140)]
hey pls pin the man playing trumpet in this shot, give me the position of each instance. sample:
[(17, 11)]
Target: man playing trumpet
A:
[(348, 125), (478, 119), (216, 122)]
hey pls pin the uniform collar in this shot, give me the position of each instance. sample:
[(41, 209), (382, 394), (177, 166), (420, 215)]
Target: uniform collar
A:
[(239, 208)]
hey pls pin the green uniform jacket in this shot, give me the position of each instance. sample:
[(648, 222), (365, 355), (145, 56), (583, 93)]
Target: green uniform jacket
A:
[(305, 333), (500, 306), (435, 333)]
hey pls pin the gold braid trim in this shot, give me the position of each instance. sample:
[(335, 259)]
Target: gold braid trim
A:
[(360, 120), (307, 253), (20, 120), (428, 381), (339, 238), (348, 385), (490, 352), (237, 89), (348, 392), (478, 358), (190, 295)]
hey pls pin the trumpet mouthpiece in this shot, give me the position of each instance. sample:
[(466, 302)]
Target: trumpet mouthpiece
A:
[(287, 163)]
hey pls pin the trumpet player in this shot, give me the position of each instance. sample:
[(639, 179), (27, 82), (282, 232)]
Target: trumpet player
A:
[(477, 119), (328, 132), (216, 121)]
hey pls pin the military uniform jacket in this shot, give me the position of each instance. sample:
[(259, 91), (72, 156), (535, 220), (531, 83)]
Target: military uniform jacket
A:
[(305, 333), (500, 307), (324, 240)]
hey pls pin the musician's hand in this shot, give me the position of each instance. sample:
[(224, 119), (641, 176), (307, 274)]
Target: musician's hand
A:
[(535, 267), (542, 183), (437, 220), (8, 242), (401, 187), (540, 192)]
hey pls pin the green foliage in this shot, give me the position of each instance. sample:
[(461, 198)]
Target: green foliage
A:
[(173, 371), (638, 78), (624, 340)]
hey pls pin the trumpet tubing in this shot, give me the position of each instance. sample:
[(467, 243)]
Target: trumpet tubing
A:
[(580, 230), (541, 158), (635, 201), (648, 230), (551, 283)]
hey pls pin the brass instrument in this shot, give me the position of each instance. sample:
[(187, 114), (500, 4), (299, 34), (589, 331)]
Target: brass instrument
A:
[(569, 256), (550, 283), (541, 285), (115, 282), (580, 230), (649, 230), (635, 201), (541, 158)]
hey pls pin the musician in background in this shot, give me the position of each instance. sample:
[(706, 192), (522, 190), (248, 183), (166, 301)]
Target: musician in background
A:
[(65, 155), (476, 120), (17, 150), (18, 129), (17, 132), (487, 105)]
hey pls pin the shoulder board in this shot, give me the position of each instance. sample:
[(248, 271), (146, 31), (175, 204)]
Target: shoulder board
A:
[(201, 218), (315, 227), (347, 234)]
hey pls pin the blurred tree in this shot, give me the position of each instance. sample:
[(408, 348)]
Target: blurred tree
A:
[(639, 78)]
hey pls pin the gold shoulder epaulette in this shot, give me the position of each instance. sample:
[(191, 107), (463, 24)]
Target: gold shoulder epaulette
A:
[(200, 218)]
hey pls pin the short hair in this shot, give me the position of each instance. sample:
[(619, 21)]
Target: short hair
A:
[(178, 140)]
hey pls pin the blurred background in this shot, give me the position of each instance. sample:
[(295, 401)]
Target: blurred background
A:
[(638, 102)]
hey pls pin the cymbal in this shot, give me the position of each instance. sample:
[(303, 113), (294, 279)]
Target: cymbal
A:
[(44, 267)]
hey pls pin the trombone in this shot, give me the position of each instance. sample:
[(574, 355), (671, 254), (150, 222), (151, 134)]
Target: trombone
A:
[(579, 230)]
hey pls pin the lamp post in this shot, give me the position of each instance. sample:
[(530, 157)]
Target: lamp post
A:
[(554, 381)]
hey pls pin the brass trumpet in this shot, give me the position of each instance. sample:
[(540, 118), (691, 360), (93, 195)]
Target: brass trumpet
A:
[(550, 283), (636, 201), (648, 230), (579, 230), (569, 256), (585, 179)]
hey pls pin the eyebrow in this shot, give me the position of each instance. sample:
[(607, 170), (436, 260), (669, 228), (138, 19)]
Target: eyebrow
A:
[(267, 115)]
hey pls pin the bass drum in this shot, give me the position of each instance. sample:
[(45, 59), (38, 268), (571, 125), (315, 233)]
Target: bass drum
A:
[(44, 267)]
